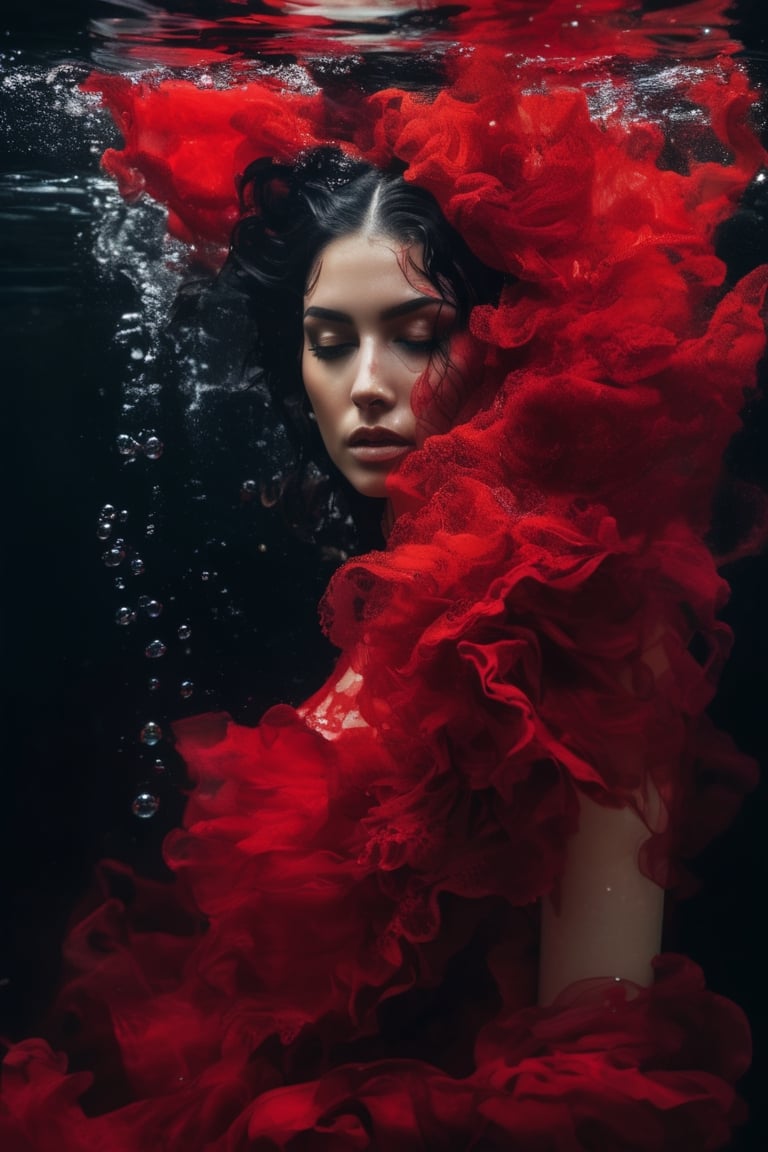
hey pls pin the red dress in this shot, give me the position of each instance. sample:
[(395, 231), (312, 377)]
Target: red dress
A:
[(346, 959)]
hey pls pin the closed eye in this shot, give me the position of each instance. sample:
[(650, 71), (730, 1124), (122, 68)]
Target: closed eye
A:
[(427, 346), (331, 351)]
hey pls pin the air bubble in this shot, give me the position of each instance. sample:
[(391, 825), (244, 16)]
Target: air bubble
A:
[(153, 683), (125, 616), (104, 530), (159, 767), (155, 649), (184, 632), (122, 515), (107, 512), (143, 601), (154, 609), (151, 734), (137, 566), (137, 354), (186, 689), (205, 575), (126, 445), (145, 805), (153, 447), (120, 584), (113, 557)]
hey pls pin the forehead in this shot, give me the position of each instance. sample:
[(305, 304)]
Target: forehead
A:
[(359, 271)]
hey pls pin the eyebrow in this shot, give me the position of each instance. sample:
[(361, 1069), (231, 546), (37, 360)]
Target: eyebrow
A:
[(388, 314)]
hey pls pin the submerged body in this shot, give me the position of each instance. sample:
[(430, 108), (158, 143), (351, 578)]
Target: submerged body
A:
[(513, 739)]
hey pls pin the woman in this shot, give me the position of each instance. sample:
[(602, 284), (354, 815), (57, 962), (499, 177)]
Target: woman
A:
[(348, 956), (386, 288), (349, 948)]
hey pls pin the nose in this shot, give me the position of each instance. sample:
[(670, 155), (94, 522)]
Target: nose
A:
[(371, 386)]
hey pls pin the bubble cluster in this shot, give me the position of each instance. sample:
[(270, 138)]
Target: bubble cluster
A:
[(148, 444), (133, 242)]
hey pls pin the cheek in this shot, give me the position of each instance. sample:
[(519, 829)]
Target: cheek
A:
[(312, 385), (442, 393), (321, 400), (306, 372)]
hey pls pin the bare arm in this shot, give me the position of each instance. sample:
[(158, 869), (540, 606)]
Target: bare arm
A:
[(605, 919), (608, 918)]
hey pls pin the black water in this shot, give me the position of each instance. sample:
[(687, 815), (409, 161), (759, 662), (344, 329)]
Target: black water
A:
[(75, 694)]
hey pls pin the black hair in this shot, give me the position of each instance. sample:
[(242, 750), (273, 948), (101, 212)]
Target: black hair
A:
[(289, 214)]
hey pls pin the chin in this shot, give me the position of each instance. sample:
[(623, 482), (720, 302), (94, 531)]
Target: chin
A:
[(375, 487)]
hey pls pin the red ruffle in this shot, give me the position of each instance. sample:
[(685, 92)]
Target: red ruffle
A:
[(184, 145), (646, 1073), (537, 184), (309, 876)]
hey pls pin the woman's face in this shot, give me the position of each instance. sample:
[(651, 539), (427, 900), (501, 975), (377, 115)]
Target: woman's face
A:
[(373, 324)]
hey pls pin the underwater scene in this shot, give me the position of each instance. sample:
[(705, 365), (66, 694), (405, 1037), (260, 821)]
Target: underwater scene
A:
[(293, 759)]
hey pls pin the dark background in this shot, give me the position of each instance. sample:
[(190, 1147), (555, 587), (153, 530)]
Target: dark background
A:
[(75, 684)]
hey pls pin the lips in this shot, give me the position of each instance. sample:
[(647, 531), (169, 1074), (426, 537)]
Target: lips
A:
[(377, 436), (377, 445)]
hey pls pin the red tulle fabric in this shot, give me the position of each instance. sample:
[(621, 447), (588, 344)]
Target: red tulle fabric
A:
[(346, 959)]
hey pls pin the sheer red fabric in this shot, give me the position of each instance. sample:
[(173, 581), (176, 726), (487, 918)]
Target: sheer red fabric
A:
[(346, 959)]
